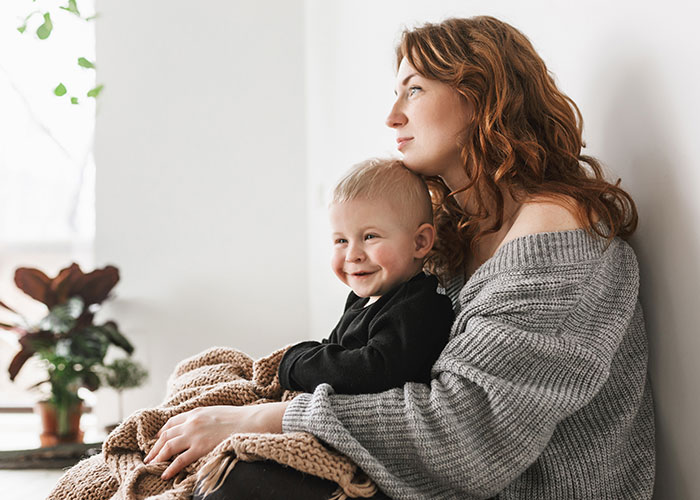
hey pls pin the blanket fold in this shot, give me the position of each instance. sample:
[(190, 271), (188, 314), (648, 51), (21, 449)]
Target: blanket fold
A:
[(217, 376)]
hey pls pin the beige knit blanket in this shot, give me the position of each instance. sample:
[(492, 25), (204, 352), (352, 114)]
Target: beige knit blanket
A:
[(218, 376)]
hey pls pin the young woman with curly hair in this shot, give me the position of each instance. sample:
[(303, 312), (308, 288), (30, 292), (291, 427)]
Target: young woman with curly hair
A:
[(542, 390)]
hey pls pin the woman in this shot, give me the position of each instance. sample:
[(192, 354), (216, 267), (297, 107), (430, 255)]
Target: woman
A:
[(542, 391)]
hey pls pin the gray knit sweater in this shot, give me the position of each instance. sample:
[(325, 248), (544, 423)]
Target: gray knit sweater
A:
[(541, 393)]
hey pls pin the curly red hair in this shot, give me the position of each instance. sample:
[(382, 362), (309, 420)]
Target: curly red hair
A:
[(525, 137)]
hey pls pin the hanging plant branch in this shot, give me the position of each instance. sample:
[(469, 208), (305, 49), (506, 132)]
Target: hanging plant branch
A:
[(23, 27), (72, 7), (36, 120), (44, 31)]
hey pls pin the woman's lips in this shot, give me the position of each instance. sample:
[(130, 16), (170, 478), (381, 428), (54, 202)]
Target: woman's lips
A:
[(402, 141)]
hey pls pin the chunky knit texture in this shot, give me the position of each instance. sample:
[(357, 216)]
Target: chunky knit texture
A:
[(541, 393), (218, 376)]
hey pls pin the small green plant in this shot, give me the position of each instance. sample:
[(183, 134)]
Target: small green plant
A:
[(67, 340), (44, 31), (122, 374)]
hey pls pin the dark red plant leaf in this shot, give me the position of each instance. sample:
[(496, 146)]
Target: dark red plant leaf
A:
[(91, 380), (34, 386), (2, 304), (116, 337), (35, 284), (84, 320), (34, 340), (18, 362), (64, 284), (29, 343), (94, 287)]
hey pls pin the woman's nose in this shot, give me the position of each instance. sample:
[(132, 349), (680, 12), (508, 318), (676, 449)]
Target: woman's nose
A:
[(396, 117)]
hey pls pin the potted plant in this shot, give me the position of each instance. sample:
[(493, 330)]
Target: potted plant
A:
[(122, 374), (68, 341)]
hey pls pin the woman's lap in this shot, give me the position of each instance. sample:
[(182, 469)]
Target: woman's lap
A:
[(271, 481)]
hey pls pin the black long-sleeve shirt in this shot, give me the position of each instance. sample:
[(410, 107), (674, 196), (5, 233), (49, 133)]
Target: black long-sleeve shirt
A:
[(377, 347)]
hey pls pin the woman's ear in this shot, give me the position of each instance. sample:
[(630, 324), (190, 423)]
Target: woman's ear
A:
[(424, 239)]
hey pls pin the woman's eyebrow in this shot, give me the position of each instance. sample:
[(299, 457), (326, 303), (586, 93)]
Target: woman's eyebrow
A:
[(405, 81)]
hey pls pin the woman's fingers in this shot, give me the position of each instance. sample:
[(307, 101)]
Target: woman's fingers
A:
[(180, 463), (163, 439), (173, 421), (172, 447), (154, 450)]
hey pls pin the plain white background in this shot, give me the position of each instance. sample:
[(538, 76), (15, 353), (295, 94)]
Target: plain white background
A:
[(223, 124)]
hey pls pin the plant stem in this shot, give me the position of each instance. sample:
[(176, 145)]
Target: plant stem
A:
[(121, 407), (62, 412)]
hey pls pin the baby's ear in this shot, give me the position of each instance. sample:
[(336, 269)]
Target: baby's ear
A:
[(424, 240)]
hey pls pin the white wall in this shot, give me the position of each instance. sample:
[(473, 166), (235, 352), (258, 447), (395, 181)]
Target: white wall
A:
[(200, 182), (632, 68)]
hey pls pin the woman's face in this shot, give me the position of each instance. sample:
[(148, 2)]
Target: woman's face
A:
[(430, 119)]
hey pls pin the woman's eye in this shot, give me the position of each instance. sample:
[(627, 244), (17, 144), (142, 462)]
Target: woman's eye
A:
[(413, 90)]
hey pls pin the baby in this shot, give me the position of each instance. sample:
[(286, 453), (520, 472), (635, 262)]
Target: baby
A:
[(395, 322)]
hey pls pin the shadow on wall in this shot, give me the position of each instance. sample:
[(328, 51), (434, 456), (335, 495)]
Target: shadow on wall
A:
[(641, 147)]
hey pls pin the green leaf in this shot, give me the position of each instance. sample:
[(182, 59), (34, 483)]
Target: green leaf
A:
[(45, 29), (22, 28), (85, 63), (72, 7), (124, 373), (89, 344), (74, 100), (62, 317), (60, 90), (95, 92)]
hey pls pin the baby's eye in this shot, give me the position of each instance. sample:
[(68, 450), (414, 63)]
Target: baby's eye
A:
[(340, 241), (370, 236)]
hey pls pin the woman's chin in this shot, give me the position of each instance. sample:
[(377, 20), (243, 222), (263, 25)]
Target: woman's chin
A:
[(415, 165)]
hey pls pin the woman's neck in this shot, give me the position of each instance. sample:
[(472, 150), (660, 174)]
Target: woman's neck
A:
[(487, 246)]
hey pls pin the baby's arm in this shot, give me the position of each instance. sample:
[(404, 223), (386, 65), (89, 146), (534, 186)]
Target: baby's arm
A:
[(405, 339)]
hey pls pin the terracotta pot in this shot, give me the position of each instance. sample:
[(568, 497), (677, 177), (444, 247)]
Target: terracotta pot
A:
[(50, 435)]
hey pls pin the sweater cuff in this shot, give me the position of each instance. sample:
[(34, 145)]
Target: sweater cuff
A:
[(297, 416)]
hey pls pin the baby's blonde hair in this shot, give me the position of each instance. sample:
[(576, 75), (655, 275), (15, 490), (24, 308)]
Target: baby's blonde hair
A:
[(387, 179)]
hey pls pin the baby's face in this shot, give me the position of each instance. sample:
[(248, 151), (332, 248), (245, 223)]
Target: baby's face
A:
[(374, 247)]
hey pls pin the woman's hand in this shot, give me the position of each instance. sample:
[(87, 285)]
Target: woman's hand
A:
[(195, 433)]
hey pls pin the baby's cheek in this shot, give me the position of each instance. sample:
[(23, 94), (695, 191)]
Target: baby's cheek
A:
[(337, 265), (386, 257)]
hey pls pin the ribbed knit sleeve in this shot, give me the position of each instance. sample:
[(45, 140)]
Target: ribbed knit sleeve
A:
[(540, 326)]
